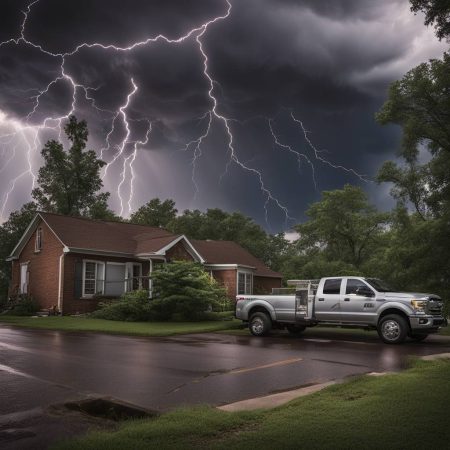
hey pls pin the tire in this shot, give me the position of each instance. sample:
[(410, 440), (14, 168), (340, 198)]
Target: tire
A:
[(418, 337), (393, 329), (295, 330), (260, 324)]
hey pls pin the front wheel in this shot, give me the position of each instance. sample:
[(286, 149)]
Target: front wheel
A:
[(393, 329), (296, 329), (260, 324)]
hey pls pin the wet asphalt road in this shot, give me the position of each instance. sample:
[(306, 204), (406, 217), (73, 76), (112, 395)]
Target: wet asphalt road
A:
[(38, 368)]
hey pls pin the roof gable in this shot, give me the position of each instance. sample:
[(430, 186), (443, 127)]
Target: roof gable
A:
[(106, 237), (38, 218)]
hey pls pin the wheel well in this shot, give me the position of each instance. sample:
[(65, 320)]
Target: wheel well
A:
[(256, 309), (399, 312)]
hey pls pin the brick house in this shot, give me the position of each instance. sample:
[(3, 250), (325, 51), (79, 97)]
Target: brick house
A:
[(71, 263)]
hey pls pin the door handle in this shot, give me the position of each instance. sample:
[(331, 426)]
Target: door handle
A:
[(321, 299), (346, 299)]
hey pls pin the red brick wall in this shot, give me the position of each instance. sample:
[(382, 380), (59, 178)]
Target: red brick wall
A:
[(227, 278), (43, 268), (178, 253), (74, 305), (261, 285), (264, 285)]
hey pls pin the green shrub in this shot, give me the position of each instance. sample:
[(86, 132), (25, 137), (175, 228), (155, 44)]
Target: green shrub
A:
[(24, 305), (184, 291), (131, 307)]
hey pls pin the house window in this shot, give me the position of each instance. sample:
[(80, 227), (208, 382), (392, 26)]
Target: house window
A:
[(137, 274), (93, 278), (115, 280), (38, 241), (245, 283), (23, 288)]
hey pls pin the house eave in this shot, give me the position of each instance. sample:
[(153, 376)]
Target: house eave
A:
[(228, 266), (94, 251)]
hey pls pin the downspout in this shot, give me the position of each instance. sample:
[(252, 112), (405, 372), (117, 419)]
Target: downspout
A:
[(60, 282)]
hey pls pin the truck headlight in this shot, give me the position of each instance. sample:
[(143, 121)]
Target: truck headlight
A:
[(418, 305)]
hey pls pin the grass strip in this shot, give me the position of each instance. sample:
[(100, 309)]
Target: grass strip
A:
[(408, 410), (115, 327)]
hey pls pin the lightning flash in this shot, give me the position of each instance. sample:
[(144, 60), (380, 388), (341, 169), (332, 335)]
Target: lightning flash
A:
[(121, 145)]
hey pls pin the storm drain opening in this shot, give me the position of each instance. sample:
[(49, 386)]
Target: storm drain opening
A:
[(111, 409)]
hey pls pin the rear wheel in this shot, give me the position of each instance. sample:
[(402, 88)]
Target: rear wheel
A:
[(393, 329), (260, 324), (295, 329)]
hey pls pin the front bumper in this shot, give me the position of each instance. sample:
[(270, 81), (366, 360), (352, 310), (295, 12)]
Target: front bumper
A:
[(427, 323)]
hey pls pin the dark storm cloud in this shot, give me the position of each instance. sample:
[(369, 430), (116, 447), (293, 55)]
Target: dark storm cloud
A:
[(328, 61), (61, 26)]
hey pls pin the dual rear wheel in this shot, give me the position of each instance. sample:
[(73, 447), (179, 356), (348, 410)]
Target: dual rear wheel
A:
[(260, 324)]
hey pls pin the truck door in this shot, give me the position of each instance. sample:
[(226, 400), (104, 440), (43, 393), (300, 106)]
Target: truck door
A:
[(327, 301), (357, 304)]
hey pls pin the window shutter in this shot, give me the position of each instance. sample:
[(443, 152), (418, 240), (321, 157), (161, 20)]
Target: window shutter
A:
[(78, 281)]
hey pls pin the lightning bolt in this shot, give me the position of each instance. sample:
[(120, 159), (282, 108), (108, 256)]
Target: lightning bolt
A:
[(123, 144), (133, 159), (323, 160), (269, 197), (298, 155), (198, 150)]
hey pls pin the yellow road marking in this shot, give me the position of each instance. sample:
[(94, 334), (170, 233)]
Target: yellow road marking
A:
[(266, 366)]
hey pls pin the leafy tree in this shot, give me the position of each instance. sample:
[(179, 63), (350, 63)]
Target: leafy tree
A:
[(342, 226), (69, 182), (155, 213), (183, 290), (10, 233), (437, 12), (219, 225), (420, 104)]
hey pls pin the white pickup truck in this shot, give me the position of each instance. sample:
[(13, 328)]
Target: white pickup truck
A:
[(344, 301)]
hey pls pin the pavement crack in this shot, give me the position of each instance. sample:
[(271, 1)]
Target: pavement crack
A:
[(339, 362)]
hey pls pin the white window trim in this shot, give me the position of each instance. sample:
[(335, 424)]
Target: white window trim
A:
[(246, 273), (83, 293)]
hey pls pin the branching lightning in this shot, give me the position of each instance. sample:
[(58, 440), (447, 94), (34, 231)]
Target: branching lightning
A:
[(317, 152), (298, 155), (126, 149)]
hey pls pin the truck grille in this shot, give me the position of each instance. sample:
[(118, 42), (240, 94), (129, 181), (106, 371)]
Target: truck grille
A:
[(434, 307)]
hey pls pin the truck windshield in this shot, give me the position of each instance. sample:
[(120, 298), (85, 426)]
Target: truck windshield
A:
[(379, 285)]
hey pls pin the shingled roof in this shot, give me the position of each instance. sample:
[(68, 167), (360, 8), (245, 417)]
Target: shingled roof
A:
[(131, 240), (228, 252), (120, 237)]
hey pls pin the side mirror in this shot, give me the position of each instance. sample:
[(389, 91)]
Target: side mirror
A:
[(365, 291)]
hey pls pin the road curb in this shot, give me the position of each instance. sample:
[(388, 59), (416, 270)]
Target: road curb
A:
[(437, 356), (274, 400)]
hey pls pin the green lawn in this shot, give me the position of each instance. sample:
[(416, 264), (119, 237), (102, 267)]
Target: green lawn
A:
[(409, 410), (113, 327)]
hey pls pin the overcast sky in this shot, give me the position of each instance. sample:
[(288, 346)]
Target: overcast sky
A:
[(295, 85)]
